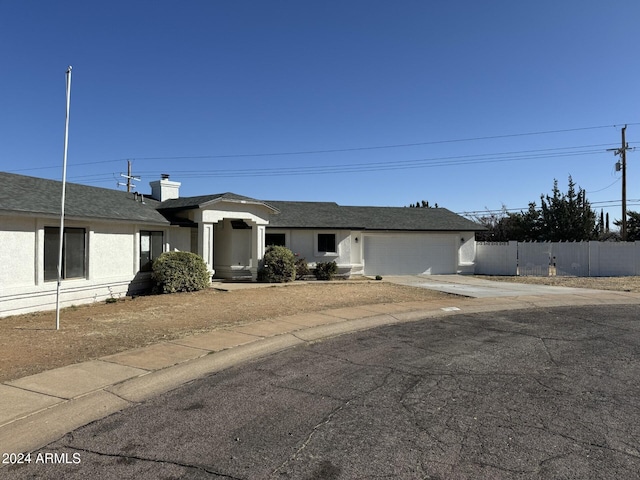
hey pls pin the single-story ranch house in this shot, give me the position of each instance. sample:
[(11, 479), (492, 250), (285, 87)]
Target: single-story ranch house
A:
[(111, 237)]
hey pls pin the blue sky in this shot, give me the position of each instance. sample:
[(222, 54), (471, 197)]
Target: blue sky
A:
[(358, 102)]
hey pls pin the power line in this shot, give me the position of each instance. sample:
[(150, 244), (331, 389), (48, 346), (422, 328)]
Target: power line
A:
[(608, 186), (395, 165), (599, 204), (335, 150), (402, 145), (354, 167)]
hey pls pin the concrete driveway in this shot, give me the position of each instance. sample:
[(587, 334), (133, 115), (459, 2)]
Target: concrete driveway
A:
[(480, 288)]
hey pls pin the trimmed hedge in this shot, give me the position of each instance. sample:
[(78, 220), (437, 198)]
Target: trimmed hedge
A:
[(302, 268), (279, 265), (325, 270), (179, 272)]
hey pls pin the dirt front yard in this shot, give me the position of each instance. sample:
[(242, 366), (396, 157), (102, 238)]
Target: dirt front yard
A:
[(30, 344)]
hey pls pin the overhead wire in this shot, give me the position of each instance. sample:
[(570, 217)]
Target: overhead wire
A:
[(393, 165), (333, 150)]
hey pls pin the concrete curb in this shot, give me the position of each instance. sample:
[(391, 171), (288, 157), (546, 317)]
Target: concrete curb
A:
[(39, 409)]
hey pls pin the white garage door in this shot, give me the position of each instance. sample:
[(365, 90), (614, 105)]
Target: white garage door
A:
[(408, 254)]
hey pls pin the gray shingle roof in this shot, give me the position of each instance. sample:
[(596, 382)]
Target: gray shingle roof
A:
[(327, 215), (39, 196)]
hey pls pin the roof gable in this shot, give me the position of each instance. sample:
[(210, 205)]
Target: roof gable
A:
[(187, 203)]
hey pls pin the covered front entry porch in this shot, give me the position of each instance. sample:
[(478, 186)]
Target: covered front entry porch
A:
[(231, 238)]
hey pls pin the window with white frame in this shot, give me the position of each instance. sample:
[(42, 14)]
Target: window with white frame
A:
[(327, 243), (73, 253)]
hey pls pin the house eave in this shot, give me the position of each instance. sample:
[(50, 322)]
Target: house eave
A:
[(79, 218), (374, 229)]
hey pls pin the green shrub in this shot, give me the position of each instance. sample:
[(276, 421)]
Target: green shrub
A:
[(279, 265), (378, 277), (302, 268), (325, 270), (179, 272)]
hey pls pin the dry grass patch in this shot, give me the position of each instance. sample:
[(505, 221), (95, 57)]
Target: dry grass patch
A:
[(29, 343)]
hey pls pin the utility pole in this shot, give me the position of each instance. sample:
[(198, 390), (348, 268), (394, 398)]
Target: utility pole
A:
[(129, 177), (622, 151), (623, 158)]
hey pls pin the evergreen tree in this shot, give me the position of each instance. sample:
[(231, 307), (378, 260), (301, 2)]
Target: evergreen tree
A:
[(566, 216), (633, 225), (422, 204)]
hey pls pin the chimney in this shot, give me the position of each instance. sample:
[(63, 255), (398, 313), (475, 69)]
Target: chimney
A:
[(165, 189)]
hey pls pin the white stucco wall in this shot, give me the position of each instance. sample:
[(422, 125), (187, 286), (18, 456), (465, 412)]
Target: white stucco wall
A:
[(103, 241), (304, 243), (467, 253), (240, 248), (222, 210), (232, 250), (17, 252), (350, 253), (111, 256), (179, 239)]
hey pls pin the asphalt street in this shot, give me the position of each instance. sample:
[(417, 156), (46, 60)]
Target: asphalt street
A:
[(526, 394)]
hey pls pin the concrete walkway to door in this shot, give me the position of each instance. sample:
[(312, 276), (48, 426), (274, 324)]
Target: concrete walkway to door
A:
[(469, 286)]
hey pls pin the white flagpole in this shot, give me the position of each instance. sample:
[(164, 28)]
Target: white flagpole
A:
[(64, 187)]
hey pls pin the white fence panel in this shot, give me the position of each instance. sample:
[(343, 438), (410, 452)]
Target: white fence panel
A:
[(534, 259), (612, 259), (581, 259), (570, 259), (496, 258)]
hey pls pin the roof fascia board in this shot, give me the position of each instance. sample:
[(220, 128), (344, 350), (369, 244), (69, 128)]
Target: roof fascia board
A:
[(75, 218)]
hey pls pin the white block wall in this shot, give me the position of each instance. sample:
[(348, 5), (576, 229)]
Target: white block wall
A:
[(595, 259), (496, 258), (613, 259)]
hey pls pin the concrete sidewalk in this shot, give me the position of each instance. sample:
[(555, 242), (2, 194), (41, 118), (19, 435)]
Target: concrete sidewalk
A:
[(39, 409)]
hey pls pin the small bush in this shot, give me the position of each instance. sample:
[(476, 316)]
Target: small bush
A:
[(279, 265), (302, 268), (378, 277), (325, 270), (179, 272)]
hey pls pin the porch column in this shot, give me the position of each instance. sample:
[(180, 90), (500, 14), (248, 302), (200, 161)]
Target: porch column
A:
[(205, 244), (257, 249)]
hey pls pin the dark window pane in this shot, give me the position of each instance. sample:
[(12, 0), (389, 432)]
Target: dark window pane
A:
[(275, 239), (74, 252), (327, 242), (151, 245), (51, 243), (156, 245)]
